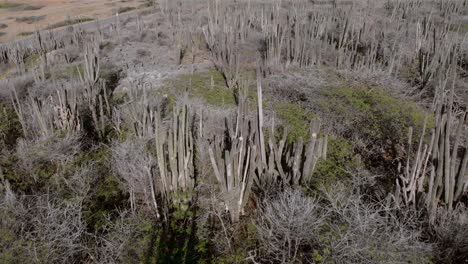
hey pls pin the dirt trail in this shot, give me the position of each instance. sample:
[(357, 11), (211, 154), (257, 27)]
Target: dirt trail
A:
[(26, 16)]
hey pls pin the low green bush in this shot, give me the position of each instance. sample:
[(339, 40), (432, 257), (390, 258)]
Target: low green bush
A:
[(9, 5), (108, 198), (340, 160), (210, 86), (10, 127), (296, 119), (372, 119)]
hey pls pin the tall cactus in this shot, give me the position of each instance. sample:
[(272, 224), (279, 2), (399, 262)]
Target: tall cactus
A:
[(95, 88), (292, 164), (234, 161), (444, 160), (412, 175), (448, 176), (91, 72), (242, 157), (175, 156)]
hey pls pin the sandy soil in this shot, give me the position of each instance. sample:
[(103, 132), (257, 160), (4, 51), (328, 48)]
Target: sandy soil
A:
[(55, 11)]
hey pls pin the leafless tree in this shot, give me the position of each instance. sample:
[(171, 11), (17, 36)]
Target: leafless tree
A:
[(288, 223), (451, 232), (46, 229), (53, 149), (134, 164), (114, 238), (370, 232)]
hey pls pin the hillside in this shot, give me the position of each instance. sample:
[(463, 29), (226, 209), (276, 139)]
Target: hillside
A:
[(247, 131)]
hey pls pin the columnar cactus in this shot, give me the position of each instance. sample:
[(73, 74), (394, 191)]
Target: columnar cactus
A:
[(444, 160), (242, 158), (175, 155), (91, 63), (292, 164), (234, 162)]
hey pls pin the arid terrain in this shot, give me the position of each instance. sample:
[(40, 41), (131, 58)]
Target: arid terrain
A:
[(235, 131), (19, 18)]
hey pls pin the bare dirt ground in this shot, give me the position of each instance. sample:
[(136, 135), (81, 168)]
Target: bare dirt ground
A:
[(19, 18)]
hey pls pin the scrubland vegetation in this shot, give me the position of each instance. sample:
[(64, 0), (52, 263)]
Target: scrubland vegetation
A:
[(249, 131)]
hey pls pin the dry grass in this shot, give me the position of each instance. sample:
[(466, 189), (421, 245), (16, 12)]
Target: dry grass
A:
[(157, 114)]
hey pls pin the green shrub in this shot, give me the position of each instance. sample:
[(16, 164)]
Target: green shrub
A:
[(461, 28), (340, 160), (25, 33), (31, 60), (30, 7), (10, 127), (126, 9), (30, 19), (37, 181), (296, 119), (18, 179), (9, 5), (373, 117), (10, 243), (209, 86), (138, 248), (109, 196), (236, 257), (74, 71)]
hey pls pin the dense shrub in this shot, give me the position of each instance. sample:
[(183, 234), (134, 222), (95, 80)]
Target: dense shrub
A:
[(450, 231), (341, 226), (375, 121), (296, 120), (40, 228), (288, 225), (10, 127), (360, 231), (340, 162), (82, 180)]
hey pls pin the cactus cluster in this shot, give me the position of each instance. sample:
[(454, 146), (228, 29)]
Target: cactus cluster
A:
[(175, 155), (241, 159), (435, 174)]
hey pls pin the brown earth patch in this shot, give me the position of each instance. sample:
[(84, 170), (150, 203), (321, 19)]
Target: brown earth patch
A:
[(55, 12)]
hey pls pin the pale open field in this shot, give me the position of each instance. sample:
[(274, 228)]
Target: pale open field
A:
[(19, 18)]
